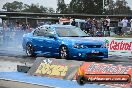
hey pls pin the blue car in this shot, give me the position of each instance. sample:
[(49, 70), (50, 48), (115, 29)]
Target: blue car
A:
[(63, 41)]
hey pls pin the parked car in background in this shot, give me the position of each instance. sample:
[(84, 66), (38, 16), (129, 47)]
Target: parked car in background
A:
[(64, 41), (79, 22)]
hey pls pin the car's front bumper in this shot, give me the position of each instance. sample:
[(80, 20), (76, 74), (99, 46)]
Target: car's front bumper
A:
[(88, 53)]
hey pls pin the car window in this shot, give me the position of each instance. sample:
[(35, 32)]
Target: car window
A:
[(36, 32), (47, 32), (43, 32), (70, 32)]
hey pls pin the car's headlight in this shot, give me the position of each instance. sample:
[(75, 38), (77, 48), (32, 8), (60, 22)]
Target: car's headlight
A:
[(103, 45), (78, 46)]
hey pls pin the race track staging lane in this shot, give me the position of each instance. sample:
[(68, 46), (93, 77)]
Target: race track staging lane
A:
[(43, 81), (17, 56)]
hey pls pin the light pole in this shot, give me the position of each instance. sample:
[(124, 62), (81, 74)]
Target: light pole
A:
[(103, 6)]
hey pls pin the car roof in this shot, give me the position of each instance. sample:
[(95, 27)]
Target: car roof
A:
[(55, 25)]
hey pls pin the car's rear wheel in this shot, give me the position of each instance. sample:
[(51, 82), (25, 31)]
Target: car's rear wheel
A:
[(63, 52), (30, 50), (81, 80), (98, 59)]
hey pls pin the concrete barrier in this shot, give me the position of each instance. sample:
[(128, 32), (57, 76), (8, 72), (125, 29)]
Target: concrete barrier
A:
[(117, 46), (69, 70), (23, 68), (101, 68), (65, 69)]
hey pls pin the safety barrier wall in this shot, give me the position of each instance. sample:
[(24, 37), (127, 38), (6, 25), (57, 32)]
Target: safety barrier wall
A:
[(55, 68), (102, 68), (117, 46), (70, 70)]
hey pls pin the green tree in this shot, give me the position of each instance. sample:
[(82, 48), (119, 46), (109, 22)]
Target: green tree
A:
[(109, 7), (44, 9), (62, 7), (19, 6), (14, 6), (87, 6), (121, 7), (37, 9), (51, 10), (32, 8)]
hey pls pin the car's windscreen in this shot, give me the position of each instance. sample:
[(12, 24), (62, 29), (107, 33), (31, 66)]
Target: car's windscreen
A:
[(70, 32)]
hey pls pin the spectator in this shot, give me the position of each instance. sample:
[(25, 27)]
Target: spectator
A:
[(105, 25), (120, 27), (94, 26), (73, 23), (29, 29), (88, 25), (108, 25), (100, 24), (18, 32), (17, 26), (131, 25), (124, 22), (24, 26)]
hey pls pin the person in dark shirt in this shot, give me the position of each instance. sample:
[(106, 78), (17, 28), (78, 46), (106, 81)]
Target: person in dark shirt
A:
[(73, 23), (24, 26), (88, 25)]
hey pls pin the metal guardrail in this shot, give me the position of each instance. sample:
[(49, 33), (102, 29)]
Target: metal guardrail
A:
[(75, 15)]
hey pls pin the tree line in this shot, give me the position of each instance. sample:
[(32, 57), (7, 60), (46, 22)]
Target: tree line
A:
[(108, 7), (21, 7)]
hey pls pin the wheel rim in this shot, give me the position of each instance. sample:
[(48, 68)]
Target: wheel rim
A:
[(82, 81), (29, 50), (63, 52)]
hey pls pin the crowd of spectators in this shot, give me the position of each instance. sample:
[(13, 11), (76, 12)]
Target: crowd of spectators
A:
[(102, 26), (93, 26), (14, 32)]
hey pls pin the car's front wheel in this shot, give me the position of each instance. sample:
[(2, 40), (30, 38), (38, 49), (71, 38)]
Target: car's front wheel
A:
[(63, 52), (30, 50), (81, 80)]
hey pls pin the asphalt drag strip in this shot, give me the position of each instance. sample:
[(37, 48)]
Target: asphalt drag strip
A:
[(15, 84)]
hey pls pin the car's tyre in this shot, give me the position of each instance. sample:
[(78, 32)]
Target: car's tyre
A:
[(99, 59), (30, 50), (81, 80), (63, 52)]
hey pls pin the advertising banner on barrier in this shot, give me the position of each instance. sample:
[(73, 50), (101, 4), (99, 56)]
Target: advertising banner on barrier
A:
[(51, 68), (101, 68), (54, 68), (117, 46)]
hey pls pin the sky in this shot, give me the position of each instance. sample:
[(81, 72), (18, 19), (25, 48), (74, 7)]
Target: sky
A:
[(46, 3)]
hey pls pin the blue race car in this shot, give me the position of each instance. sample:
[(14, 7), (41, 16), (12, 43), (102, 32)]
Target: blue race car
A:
[(63, 41)]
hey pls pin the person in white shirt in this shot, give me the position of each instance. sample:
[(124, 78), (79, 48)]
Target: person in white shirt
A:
[(131, 25), (120, 27), (108, 25), (124, 22)]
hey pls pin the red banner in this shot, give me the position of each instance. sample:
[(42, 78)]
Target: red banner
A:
[(120, 45), (101, 68)]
